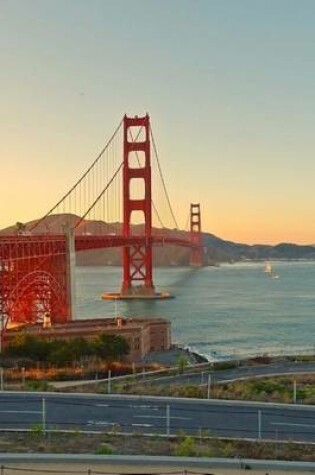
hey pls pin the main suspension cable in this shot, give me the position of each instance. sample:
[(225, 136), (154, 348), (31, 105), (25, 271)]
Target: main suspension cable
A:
[(99, 196), (81, 178)]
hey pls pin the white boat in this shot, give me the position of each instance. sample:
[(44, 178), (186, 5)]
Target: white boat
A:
[(270, 272)]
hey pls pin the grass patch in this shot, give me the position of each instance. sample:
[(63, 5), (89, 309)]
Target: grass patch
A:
[(273, 389)]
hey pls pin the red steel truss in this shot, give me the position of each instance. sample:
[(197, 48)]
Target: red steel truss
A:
[(34, 279), (137, 259), (35, 275), (196, 255)]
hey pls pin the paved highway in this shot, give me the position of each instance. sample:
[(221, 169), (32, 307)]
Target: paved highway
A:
[(243, 372), (156, 416), (197, 376)]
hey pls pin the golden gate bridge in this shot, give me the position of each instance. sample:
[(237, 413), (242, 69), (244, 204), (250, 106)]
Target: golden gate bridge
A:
[(37, 263)]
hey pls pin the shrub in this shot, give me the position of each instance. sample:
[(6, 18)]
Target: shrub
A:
[(37, 386), (104, 449), (37, 430), (186, 448)]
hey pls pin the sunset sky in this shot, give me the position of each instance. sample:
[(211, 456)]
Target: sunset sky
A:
[(229, 86)]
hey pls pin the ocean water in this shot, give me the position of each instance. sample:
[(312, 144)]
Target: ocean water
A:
[(232, 310)]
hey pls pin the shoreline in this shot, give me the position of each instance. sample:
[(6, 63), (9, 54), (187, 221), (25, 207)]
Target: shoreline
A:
[(172, 357), (216, 357)]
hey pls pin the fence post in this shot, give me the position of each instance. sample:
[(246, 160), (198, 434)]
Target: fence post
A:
[(109, 385), (44, 415), (209, 386), (259, 424), (168, 420)]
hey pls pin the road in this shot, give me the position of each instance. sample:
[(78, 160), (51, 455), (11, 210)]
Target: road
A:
[(151, 415), (242, 372), (195, 376)]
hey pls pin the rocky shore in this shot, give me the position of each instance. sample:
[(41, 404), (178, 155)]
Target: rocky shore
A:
[(173, 356)]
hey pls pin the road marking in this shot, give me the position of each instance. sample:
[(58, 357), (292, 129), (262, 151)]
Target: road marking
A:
[(143, 406), (163, 417), (100, 423), (102, 405), (21, 412), (294, 424), (142, 425)]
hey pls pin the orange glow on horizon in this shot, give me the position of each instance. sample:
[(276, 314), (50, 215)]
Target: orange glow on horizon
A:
[(254, 235)]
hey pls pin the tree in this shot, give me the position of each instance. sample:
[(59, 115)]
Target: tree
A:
[(20, 227), (108, 347), (111, 347), (30, 346), (72, 350)]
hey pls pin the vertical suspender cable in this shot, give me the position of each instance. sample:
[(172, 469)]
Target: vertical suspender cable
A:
[(162, 178), (81, 179)]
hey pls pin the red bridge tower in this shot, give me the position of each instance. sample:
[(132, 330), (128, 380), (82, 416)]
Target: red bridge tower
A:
[(137, 259), (137, 252), (196, 254)]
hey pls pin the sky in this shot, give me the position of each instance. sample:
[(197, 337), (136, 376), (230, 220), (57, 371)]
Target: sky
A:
[(228, 84)]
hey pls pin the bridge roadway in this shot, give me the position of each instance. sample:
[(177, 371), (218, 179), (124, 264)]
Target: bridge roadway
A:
[(151, 415), (28, 245), (84, 242)]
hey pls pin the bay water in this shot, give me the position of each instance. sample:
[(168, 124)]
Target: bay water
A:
[(220, 312)]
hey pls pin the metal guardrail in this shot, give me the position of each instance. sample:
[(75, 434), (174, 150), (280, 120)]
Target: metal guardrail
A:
[(149, 462)]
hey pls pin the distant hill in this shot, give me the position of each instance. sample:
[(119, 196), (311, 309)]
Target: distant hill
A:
[(216, 250)]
